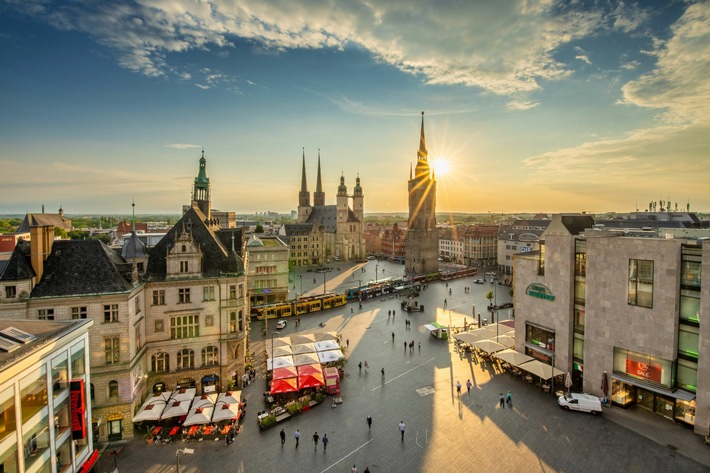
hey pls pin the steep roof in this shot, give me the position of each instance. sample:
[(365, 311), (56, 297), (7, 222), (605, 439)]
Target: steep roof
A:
[(76, 267), (42, 219), (298, 229), (134, 248), (215, 250), (325, 216), (19, 265)]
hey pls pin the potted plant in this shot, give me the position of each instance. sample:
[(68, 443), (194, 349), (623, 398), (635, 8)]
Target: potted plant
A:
[(293, 408), (267, 422), (320, 397)]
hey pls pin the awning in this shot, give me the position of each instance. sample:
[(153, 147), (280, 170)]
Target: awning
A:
[(302, 338), (513, 357), (327, 345), (678, 394), (305, 359), (279, 362), (330, 356), (540, 369), (89, 463), (314, 368), (287, 385), (303, 348), (176, 409), (434, 326), (225, 411), (489, 346), (285, 372), (310, 381), (323, 336)]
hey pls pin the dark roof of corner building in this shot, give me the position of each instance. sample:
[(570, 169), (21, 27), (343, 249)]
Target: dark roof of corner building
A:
[(81, 267), (576, 224), (18, 267), (215, 250), (298, 229), (325, 216), (44, 331), (42, 219)]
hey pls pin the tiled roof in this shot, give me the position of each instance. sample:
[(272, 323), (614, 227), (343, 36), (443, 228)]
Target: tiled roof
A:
[(41, 219), (324, 216), (298, 229), (76, 267), (19, 265)]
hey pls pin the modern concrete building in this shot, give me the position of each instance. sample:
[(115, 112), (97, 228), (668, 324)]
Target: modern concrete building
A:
[(521, 236), (45, 423), (422, 250), (602, 305)]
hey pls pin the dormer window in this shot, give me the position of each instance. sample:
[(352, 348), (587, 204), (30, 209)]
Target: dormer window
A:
[(184, 248), (184, 266)]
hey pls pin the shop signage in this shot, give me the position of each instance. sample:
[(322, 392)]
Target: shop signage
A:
[(540, 291), (77, 405), (642, 369)]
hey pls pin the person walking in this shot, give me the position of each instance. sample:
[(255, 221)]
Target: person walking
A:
[(369, 422), (469, 385), (347, 342), (393, 337), (401, 429), (405, 345), (282, 434), (383, 372), (501, 403), (353, 469), (359, 366), (367, 470), (316, 438), (458, 388), (367, 367), (297, 436), (509, 399), (325, 442)]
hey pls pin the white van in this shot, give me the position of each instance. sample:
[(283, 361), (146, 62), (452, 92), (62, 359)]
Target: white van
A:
[(580, 402)]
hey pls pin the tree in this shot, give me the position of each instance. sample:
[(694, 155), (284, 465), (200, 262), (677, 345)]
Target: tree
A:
[(489, 295), (60, 232), (259, 228)]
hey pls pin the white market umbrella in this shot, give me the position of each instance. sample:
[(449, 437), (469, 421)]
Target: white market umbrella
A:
[(303, 348), (225, 411), (176, 409), (330, 356), (305, 359), (513, 357), (284, 350), (152, 408), (540, 369), (327, 345), (199, 416), (204, 400), (279, 362), (506, 340), (280, 342), (230, 397), (302, 338), (568, 380), (468, 337), (323, 336), (489, 346), (184, 394)]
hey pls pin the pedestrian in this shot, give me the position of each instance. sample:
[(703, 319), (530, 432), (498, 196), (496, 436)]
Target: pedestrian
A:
[(325, 442), (469, 385), (420, 346), (353, 469), (316, 438), (405, 345), (393, 336), (297, 436), (369, 422), (458, 388), (502, 400), (367, 367), (347, 342), (389, 314), (401, 429), (367, 470), (282, 434), (509, 399), (383, 372), (359, 366)]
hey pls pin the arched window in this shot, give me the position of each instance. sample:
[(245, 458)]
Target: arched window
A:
[(113, 389), (160, 362), (185, 359), (210, 356)]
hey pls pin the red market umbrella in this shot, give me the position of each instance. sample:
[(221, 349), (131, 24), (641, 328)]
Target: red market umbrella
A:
[(310, 381), (314, 368), (287, 385), (286, 372)]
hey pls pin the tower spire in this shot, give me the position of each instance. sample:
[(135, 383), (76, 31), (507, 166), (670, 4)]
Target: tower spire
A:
[(304, 185), (304, 197), (133, 219), (422, 153), (319, 195)]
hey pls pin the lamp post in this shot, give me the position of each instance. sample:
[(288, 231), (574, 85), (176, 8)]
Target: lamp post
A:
[(184, 451), (272, 353), (300, 282), (376, 269), (323, 281)]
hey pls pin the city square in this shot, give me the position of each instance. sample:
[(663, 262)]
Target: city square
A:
[(443, 432)]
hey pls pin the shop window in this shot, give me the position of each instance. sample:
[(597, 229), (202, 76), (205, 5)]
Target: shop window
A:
[(641, 283), (685, 411)]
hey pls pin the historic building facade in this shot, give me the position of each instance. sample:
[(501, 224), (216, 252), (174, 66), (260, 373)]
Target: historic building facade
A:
[(422, 244), (600, 304)]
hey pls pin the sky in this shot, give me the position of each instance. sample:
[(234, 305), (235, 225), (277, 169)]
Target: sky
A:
[(530, 105)]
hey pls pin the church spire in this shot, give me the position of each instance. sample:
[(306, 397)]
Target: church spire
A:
[(133, 218), (422, 153), (201, 189), (304, 197), (319, 195), (304, 185)]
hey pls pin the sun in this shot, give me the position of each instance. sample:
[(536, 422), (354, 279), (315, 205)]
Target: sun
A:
[(441, 166)]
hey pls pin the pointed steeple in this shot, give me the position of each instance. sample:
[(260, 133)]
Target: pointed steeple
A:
[(133, 218), (201, 188), (422, 153), (319, 195), (304, 197)]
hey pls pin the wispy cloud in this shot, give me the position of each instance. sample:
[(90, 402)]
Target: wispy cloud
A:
[(501, 47), (181, 146)]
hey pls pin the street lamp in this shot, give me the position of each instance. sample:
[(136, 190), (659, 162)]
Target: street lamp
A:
[(184, 451), (300, 282), (323, 281), (376, 269)]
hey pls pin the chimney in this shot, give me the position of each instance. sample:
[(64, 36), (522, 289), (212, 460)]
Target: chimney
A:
[(42, 208), (41, 239)]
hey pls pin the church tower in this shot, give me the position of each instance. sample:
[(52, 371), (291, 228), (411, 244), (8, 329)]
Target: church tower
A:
[(341, 201), (304, 197), (422, 245), (319, 195), (201, 190), (358, 199)]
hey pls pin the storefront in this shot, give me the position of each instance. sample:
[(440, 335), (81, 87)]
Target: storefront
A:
[(647, 382), (115, 427), (540, 343)]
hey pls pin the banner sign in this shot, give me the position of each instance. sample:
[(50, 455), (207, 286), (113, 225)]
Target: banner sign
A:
[(540, 291), (644, 370), (77, 406)]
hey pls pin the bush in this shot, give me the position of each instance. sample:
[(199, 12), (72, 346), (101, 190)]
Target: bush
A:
[(293, 408), (268, 421), (320, 397)]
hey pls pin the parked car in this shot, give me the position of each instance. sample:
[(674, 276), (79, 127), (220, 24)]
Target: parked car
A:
[(281, 324), (580, 402), (478, 281)]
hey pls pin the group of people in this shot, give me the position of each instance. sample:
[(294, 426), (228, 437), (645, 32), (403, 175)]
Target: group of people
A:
[(507, 399), (411, 345)]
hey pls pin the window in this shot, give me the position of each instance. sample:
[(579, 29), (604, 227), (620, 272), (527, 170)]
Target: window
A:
[(688, 341), (579, 318), (641, 283), (140, 267), (208, 293), (209, 320), (580, 291), (158, 325), (241, 291), (113, 350), (209, 356), (232, 322), (159, 297), (233, 292), (185, 326), (184, 266), (113, 389), (137, 302), (10, 292), (79, 313), (111, 313), (541, 260), (45, 314), (241, 321), (160, 362), (185, 359), (580, 257), (184, 295)]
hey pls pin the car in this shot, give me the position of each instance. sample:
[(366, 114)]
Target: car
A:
[(478, 281), (281, 324), (580, 402)]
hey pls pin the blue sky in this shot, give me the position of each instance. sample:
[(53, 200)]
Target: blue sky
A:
[(533, 106)]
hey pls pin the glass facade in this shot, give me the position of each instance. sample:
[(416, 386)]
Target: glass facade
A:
[(8, 421), (60, 374), (641, 283)]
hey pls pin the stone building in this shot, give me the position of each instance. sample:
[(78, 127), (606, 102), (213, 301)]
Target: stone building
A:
[(422, 250), (268, 270), (521, 236), (393, 242), (480, 245), (599, 304)]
